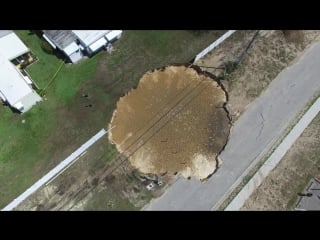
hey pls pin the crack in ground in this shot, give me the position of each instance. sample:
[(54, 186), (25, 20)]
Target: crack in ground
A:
[(262, 125)]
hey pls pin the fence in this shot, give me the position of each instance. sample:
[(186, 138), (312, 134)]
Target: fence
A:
[(214, 44)]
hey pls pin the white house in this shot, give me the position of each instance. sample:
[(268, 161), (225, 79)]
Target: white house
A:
[(15, 87), (75, 43)]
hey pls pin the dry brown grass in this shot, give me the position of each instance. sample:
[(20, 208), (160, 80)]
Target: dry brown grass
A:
[(279, 190)]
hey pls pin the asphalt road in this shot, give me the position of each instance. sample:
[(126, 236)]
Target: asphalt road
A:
[(275, 157), (252, 136)]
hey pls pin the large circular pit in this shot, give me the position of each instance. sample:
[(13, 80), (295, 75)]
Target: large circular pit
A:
[(174, 121)]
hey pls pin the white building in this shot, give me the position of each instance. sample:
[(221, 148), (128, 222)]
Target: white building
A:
[(75, 43), (15, 88)]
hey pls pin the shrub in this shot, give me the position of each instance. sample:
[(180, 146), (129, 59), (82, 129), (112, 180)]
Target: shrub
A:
[(46, 46), (294, 36), (230, 66)]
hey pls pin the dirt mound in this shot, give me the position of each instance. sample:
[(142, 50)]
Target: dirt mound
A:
[(174, 121)]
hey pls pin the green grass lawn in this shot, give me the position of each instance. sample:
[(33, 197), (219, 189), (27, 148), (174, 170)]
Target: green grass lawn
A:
[(29, 150), (67, 80), (24, 151)]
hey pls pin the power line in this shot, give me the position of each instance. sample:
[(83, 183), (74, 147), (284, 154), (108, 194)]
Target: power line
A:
[(124, 158), (247, 48)]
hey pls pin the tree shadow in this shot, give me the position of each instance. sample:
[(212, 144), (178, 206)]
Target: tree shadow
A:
[(58, 53)]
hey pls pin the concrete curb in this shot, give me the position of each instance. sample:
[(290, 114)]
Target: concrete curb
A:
[(275, 158), (55, 171)]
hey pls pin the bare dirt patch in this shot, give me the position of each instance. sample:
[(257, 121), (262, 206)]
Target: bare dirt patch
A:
[(174, 121), (92, 183)]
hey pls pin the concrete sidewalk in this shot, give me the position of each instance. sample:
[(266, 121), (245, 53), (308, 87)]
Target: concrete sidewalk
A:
[(275, 158), (251, 138), (50, 175)]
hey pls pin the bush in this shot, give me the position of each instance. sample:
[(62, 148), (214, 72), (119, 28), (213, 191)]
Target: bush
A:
[(294, 36), (230, 66), (46, 46)]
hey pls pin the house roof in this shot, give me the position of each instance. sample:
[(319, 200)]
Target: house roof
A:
[(89, 36), (12, 85), (61, 38), (113, 34), (98, 44), (11, 46), (71, 48), (29, 100), (4, 32)]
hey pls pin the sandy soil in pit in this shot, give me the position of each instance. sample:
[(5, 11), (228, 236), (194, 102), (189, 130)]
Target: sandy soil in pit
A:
[(174, 121)]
